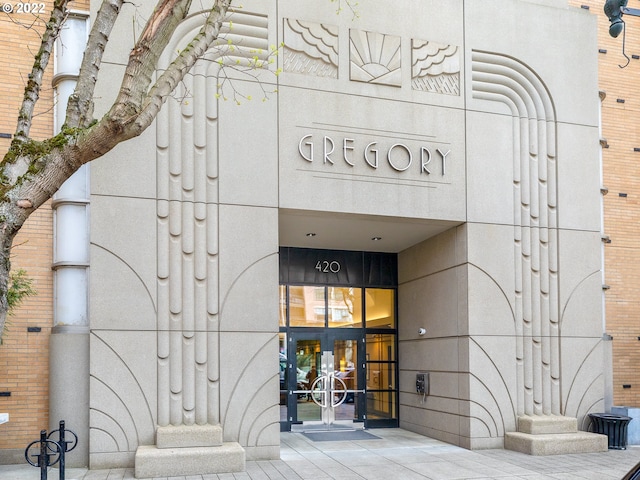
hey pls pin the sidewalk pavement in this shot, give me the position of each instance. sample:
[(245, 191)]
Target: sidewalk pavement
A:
[(395, 455)]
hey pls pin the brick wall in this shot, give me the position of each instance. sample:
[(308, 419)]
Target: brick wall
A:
[(24, 356), (621, 171)]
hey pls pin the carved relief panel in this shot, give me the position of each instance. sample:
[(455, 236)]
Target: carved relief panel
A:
[(435, 67), (374, 57), (311, 48)]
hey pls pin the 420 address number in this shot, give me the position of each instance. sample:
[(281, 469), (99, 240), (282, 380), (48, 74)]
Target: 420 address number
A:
[(24, 7), (326, 266)]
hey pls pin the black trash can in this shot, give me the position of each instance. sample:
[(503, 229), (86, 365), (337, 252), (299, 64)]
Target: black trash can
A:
[(613, 426)]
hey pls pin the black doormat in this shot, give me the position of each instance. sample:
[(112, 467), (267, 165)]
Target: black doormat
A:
[(340, 436)]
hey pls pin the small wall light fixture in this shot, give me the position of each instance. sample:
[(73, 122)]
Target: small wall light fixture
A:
[(614, 9)]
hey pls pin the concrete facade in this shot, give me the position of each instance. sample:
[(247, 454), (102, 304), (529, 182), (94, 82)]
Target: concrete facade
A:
[(467, 143), (470, 143)]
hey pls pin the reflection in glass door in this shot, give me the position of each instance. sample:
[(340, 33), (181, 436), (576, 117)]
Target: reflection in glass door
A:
[(349, 370), (306, 393), (307, 363), (357, 323), (381, 379)]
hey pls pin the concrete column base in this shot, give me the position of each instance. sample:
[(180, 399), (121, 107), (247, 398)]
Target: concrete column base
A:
[(180, 436), (553, 435), (153, 462), (189, 450), (69, 388)]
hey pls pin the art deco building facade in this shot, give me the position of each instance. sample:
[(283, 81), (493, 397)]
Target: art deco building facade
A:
[(409, 233)]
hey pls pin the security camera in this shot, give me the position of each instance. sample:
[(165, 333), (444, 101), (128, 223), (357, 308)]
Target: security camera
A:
[(422, 331)]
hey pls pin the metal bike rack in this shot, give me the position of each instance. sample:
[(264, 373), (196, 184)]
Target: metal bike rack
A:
[(51, 452)]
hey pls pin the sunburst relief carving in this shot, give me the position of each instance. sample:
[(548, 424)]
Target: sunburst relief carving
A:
[(375, 58)]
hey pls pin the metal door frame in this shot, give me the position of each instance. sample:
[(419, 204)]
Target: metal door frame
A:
[(327, 337)]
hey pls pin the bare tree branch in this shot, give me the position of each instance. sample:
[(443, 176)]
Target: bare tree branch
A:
[(32, 171), (80, 106), (32, 89), (143, 59), (176, 71)]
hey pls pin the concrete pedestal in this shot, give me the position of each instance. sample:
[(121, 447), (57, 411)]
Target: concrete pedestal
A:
[(69, 388), (189, 450), (552, 435)]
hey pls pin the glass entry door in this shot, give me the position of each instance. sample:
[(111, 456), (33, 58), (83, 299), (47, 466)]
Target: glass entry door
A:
[(326, 378)]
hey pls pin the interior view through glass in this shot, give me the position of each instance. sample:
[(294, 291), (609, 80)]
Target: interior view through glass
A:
[(357, 325)]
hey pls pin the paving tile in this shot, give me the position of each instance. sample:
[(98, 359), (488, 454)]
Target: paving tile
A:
[(255, 472), (116, 474), (326, 463), (396, 455), (353, 476), (96, 475), (341, 472), (357, 460), (535, 476), (407, 456), (385, 472), (286, 470), (444, 471)]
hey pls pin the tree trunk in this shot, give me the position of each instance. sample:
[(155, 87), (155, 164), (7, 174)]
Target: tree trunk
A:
[(32, 171)]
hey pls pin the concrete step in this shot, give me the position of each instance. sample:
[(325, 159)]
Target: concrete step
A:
[(555, 443), (152, 462), (189, 436), (544, 424)]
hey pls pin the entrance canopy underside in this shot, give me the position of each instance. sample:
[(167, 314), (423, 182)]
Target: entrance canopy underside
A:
[(341, 231)]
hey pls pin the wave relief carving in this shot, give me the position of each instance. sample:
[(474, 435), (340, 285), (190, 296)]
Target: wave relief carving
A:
[(310, 48), (435, 67), (375, 58)]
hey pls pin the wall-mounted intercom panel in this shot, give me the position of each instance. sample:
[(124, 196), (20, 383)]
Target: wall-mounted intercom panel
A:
[(422, 383)]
